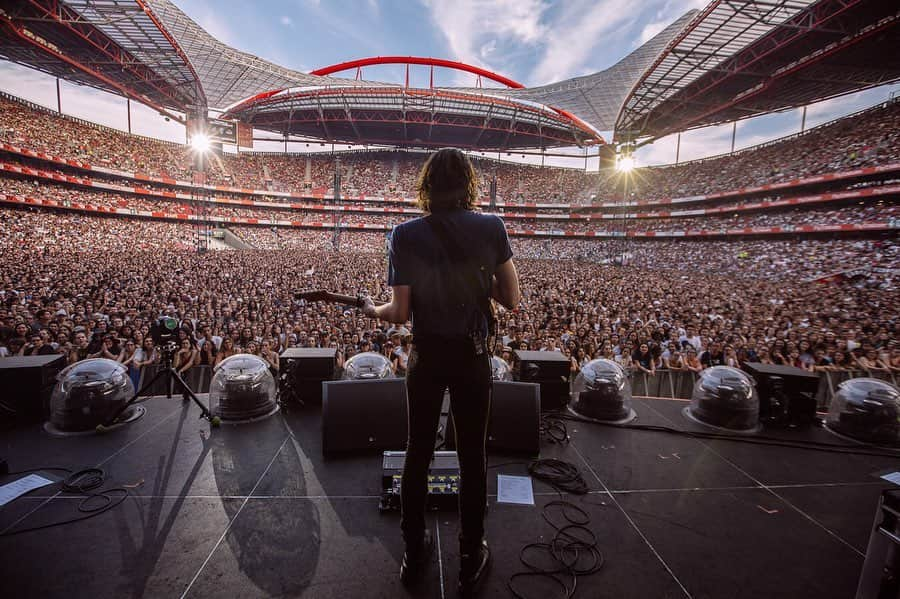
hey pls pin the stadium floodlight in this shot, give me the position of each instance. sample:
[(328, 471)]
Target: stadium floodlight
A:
[(625, 164), (200, 143)]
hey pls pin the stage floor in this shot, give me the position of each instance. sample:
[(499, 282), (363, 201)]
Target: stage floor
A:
[(255, 511)]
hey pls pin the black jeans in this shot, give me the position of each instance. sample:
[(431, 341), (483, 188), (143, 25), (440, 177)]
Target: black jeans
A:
[(432, 369)]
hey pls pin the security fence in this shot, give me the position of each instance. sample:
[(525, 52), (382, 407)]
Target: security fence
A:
[(679, 384)]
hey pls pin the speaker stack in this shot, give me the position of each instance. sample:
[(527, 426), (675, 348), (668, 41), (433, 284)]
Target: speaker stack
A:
[(515, 421), (301, 372), (362, 415), (27, 382), (550, 370), (787, 395)]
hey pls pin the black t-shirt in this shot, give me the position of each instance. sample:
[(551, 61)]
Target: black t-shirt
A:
[(710, 359), (644, 360), (442, 305)]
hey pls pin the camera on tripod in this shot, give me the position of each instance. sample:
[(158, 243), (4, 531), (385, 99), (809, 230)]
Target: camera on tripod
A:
[(164, 332)]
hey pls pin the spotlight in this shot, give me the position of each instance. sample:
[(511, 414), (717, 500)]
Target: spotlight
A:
[(625, 163), (367, 365), (500, 369), (200, 143), (602, 392), (242, 389), (867, 410), (87, 393), (726, 398)]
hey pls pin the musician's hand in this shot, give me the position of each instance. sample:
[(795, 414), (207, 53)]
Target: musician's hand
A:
[(368, 307)]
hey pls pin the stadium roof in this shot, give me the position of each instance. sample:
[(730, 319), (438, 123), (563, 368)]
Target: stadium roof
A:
[(742, 58), (733, 59), (118, 46), (413, 117)]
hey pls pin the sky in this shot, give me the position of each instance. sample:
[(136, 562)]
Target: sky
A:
[(532, 41)]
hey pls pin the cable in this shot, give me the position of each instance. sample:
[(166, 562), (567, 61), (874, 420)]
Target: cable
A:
[(562, 476), (756, 439), (572, 551), (553, 429), (80, 482)]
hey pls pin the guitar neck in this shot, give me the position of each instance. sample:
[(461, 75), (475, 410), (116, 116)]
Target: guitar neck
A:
[(342, 299), (326, 296)]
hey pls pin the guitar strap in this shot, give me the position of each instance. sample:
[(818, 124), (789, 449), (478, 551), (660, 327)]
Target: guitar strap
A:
[(468, 278)]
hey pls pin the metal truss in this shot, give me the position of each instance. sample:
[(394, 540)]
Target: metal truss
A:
[(299, 110), (741, 58), (116, 45)]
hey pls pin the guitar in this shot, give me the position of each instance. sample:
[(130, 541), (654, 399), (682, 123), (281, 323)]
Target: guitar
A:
[(318, 295)]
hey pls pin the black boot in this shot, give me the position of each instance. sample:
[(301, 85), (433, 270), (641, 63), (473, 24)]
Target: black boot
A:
[(472, 568), (415, 559)]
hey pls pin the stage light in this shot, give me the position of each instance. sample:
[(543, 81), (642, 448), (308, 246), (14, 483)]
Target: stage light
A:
[(725, 397), (367, 365), (868, 410), (602, 392), (200, 143), (87, 393), (500, 369), (242, 389), (625, 164)]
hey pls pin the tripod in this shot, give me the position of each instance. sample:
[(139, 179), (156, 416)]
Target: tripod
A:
[(172, 379)]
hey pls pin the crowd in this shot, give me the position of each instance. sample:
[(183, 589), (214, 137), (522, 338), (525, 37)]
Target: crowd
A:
[(822, 214), (870, 138), (91, 286)]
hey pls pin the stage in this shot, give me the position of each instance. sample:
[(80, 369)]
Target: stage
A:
[(254, 510)]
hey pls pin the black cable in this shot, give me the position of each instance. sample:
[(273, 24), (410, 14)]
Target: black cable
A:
[(755, 439), (80, 482), (562, 476), (553, 429), (572, 551)]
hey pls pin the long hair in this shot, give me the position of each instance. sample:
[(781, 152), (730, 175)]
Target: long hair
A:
[(447, 181)]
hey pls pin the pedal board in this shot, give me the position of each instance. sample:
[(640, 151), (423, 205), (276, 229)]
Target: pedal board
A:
[(443, 480)]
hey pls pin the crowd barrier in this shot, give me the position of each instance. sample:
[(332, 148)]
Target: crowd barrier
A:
[(679, 384), (672, 384)]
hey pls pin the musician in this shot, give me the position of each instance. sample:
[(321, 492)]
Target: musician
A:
[(443, 270)]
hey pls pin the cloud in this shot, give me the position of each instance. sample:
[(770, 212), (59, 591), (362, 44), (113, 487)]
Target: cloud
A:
[(487, 49), (286, 21), (473, 29), (573, 40), (650, 30)]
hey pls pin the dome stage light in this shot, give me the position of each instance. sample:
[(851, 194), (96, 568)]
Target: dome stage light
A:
[(725, 398), (367, 366), (500, 369), (86, 394), (242, 389), (867, 410), (602, 392)]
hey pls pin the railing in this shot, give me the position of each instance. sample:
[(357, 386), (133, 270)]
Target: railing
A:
[(829, 381), (672, 384), (679, 384)]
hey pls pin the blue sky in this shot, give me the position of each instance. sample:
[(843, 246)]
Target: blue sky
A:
[(532, 41)]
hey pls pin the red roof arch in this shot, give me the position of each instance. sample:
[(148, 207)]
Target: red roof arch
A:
[(417, 60)]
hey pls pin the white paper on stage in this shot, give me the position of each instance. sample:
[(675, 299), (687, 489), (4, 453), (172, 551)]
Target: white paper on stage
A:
[(893, 477), (17, 488), (514, 489)]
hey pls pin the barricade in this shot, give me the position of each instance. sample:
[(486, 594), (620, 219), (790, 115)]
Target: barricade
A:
[(672, 384), (831, 380)]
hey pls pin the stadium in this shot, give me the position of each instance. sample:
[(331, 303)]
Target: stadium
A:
[(781, 253)]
